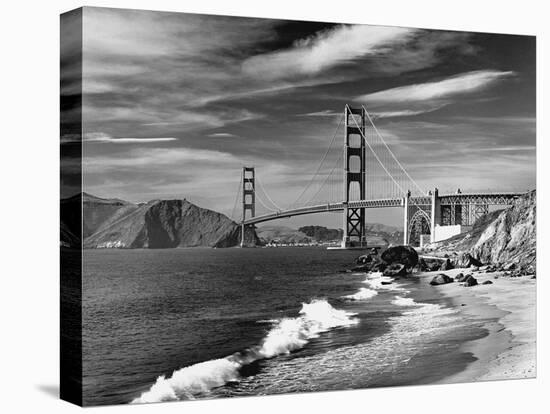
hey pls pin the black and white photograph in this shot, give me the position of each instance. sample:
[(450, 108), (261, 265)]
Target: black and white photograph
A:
[(255, 206)]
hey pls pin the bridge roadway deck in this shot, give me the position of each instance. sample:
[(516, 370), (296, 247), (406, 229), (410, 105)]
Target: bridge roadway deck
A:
[(500, 198)]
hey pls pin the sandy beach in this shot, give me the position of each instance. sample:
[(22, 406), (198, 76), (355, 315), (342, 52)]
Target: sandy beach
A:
[(507, 309)]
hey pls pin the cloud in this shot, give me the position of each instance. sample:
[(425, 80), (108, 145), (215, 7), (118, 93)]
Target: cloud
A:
[(150, 159), (405, 112), (222, 135), (456, 85), (102, 137), (324, 113), (326, 49)]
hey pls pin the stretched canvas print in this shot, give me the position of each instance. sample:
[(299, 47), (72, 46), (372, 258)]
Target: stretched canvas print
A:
[(254, 206)]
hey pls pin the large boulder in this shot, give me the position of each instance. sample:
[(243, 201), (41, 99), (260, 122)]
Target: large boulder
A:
[(469, 281), (396, 269), (441, 279), (466, 260), (404, 255)]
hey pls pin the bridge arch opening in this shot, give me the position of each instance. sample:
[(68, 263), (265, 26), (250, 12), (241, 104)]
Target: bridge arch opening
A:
[(419, 225)]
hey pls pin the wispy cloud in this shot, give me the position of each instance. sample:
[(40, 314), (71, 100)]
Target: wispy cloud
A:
[(326, 49), (461, 84), (102, 137), (141, 159), (222, 135), (406, 112), (324, 113)]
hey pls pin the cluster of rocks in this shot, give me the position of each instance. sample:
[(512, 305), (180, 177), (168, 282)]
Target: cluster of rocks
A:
[(510, 269), (463, 260), (466, 280), (400, 261), (395, 261)]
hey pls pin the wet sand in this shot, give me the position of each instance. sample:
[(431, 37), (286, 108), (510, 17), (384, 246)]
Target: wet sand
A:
[(507, 310)]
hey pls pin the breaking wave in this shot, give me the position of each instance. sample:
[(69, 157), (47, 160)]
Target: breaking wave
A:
[(286, 335), (362, 294)]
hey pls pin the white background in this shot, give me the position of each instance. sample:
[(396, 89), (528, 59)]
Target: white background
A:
[(29, 204)]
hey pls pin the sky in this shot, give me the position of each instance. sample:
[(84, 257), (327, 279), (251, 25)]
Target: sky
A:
[(175, 104)]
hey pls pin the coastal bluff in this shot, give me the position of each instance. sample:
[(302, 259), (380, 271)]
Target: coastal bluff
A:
[(157, 224), (505, 238)]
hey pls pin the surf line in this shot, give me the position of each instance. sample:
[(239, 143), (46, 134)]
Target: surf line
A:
[(286, 335)]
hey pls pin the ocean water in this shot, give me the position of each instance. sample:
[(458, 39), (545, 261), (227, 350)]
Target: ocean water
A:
[(177, 324)]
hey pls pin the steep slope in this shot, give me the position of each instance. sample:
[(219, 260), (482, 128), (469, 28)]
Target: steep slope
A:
[(503, 237), (167, 224), (511, 238), (100, 212)]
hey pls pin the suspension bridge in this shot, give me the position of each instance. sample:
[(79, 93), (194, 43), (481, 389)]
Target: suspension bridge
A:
[(363, 174)]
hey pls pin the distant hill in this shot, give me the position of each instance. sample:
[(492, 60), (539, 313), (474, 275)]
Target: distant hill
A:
[(282, 234), (115, 223), (320, 233), (378, 234)]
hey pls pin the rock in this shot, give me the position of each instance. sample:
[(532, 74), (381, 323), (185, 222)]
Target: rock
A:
[(447, 265), (484, 268), (509, 266), (534, 277), (441, 279), (422, 265), (459, 277), (434, 267), (379, 267), (396, 269), (366, 258), (404, 255), (386, 283), (475, 269), (469, 281), (487, 282), (466, 260)]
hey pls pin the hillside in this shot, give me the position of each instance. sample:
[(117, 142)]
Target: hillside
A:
[(114, 223), (282, 234), (505, 238), (377, 234)]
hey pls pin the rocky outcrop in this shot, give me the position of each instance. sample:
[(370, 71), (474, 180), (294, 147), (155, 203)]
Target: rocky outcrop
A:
[(504, 239), (464, 260), (446, 265), (404, 255), (511, 238), (395, 270)]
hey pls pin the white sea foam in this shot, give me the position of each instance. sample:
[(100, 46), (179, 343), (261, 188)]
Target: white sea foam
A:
[(286, 335), (378, 281), (362, 294), (402, 301)]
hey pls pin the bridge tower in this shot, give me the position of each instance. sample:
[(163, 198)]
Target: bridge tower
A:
[(249, 198), (354, 175)]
